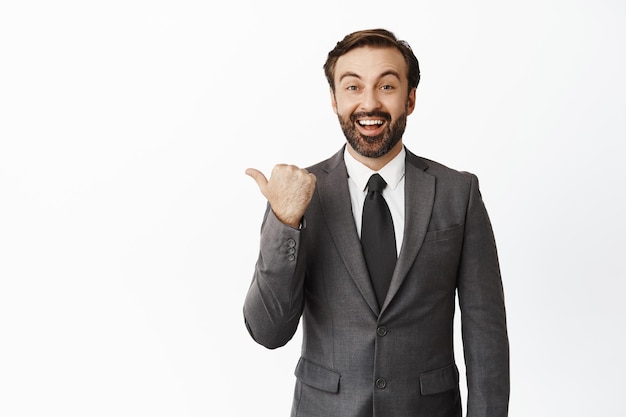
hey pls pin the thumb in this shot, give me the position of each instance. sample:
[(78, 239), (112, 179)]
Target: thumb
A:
[(257, 176)]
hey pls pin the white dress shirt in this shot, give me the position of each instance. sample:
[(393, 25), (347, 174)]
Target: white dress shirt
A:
[(393, 174)]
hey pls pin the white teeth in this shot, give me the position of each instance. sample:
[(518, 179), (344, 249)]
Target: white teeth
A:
[(370, 122)]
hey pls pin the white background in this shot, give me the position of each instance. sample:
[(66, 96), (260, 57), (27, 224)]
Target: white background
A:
[(128, 230)]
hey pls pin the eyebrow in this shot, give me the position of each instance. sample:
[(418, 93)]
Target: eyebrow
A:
[(349, 74), (355, 75)]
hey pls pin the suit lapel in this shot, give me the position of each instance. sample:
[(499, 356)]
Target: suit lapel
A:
[(419, 197), (334, 195)]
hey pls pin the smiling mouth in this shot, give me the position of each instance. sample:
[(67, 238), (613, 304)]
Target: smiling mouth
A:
[(370, 126)]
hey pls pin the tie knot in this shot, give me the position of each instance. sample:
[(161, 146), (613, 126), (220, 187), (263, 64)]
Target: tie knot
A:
[(376, 183)]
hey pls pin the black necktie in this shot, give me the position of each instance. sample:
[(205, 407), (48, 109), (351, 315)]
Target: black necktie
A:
[(378, 238)]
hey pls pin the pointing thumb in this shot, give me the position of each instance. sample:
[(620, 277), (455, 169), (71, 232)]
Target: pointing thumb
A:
[(257, 176)]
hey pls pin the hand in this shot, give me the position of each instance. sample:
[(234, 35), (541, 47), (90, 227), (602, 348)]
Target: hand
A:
[(289, 191)]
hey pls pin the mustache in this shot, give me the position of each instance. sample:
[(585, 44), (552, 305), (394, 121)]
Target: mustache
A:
[(376, 113)]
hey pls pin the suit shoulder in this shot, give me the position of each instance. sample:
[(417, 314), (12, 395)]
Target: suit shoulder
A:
[(327, 164), (443, 172)]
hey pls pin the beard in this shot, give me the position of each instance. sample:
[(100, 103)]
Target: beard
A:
[(373, 146)]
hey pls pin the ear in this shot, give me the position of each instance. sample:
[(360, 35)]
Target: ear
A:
[(411, 101), (333, 101)]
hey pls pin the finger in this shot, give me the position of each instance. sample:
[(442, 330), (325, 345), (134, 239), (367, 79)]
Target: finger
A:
[(257, 176)]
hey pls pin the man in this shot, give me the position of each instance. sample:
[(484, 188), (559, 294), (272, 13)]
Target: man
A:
[(377, 344)]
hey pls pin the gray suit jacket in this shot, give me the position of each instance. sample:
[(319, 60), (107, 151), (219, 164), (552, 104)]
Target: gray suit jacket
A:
[(359, 360)]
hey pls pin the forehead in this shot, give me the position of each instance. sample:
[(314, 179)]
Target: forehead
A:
[(370, 62)]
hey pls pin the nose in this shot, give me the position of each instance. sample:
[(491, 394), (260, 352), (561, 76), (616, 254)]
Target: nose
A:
[(370, 100)]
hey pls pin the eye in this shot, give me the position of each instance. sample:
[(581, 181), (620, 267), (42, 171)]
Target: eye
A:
[(387, 87), (352, 88)]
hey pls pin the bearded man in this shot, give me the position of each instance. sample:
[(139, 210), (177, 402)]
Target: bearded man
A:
[(370, 248)]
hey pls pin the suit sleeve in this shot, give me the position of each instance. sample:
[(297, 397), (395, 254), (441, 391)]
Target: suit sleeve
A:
[(275, 299), (483, 317)]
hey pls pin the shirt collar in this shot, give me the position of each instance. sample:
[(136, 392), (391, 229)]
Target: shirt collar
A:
[(392, 172)]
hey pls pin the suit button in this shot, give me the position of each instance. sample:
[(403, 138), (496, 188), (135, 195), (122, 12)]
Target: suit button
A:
[(291, 257), (381, 331), (381, 383), (291, 243)]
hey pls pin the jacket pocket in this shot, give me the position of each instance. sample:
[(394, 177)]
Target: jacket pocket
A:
[(440, 380), (317, 376), (443, 233)]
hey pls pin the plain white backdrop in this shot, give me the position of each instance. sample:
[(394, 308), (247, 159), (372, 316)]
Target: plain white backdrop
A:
[(129, 232)]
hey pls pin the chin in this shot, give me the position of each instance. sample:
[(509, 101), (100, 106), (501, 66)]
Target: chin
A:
[(373, 147)]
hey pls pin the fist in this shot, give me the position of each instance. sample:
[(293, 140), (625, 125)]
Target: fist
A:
[(289, 191)]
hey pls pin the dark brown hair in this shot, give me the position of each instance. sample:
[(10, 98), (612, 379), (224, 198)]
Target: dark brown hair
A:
[(378, 38)]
